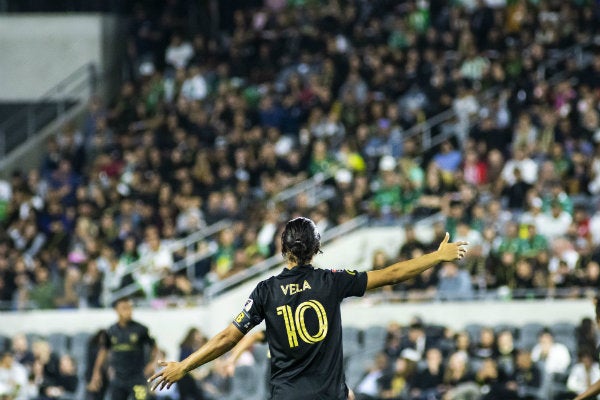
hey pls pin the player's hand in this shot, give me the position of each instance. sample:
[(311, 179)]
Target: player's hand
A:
[(95, 383), (172, 372), (452, 251), (229, 367)]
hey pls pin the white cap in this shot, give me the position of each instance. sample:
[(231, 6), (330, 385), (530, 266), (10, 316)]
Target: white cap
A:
[(343, 176), (387, 163)]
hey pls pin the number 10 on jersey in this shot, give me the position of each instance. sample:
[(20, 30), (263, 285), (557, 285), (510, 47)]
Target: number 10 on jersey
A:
[(295, 326)]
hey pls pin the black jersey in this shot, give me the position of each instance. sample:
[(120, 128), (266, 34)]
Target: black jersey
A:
[(301, 309), (128, 347)]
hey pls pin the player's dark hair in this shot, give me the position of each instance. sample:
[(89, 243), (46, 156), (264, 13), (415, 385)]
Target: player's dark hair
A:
[(300, 241), (116, 302)]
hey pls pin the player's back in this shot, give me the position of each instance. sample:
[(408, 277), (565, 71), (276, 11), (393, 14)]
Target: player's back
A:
[(302, 311)]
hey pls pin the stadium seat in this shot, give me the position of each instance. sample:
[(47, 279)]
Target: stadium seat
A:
[(506, 327), (79, 343), (33, 337), (374, 337), (528, 334), (563, 329), (4, 343), (78, 350), (351, 340), (244, 384), (473, 330), (357, 365), (260, 353), (58, 342)]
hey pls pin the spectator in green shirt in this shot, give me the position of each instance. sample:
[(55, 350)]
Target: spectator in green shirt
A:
[(534, 244), (43, 293)]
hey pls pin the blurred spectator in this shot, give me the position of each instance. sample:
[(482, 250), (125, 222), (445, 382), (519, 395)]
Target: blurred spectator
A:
[(585, 372), (553, 356), (63, 383), (454, 283), (526, 381), (217, 383), (486, 345), (506, 352), (13, 378), (20, 350), (396, 383), (43, 294), (428, 381), (459, 381), (368, 387)]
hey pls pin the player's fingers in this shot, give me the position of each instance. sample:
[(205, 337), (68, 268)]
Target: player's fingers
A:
[(462, 243), (156, 375), (155, 385), (169, 385), (446, 238), (163, 384)]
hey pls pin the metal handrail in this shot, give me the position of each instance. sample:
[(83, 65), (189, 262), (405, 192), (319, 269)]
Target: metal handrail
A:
[(69, 90), (180, 265), (184, 243), (301, 187), (266, 265)]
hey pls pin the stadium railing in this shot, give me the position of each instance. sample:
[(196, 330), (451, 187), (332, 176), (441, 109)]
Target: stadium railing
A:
[(270, 263), (315, 189), (74, 90)]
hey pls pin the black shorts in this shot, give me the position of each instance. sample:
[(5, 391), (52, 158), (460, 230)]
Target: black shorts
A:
[(137, 389)]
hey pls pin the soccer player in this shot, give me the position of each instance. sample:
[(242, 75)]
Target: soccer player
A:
[(301, 307), (594, 389), (128, 342)]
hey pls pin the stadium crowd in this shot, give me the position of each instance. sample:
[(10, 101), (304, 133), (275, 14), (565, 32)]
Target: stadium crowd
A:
[(207, 128)]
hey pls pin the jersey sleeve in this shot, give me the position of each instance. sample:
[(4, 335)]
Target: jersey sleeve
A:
[(349, 282), (252, 313), (104, 340), (146, 338)]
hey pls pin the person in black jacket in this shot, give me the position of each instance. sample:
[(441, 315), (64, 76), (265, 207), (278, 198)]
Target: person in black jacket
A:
[(127, 341)]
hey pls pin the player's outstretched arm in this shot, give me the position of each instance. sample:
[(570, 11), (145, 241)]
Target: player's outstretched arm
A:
[(590, 392), (220, 344), (245, 344), (404, 270)]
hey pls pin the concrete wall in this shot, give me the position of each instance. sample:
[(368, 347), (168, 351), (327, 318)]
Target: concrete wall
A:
[(38, 51)]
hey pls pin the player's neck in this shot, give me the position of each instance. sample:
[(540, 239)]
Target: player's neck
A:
[(291, 265)]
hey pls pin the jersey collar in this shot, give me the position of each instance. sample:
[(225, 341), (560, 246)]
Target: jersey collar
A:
[(296, 270)]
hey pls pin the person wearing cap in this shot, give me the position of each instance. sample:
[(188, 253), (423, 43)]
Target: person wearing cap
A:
[(301, 308)]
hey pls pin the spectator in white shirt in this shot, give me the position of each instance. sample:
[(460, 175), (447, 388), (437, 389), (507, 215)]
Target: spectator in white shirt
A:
[(155, 260), (527, 167), (368, 387), (179, 53), (13, 378), (195, 86), (556, 223), (584, 373), (554, 356)]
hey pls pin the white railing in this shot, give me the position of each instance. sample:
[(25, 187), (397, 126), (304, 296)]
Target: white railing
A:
[(222, 286), (54, 104)]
